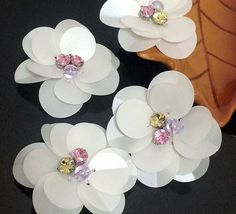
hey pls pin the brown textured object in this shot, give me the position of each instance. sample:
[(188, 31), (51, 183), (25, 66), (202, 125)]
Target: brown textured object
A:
[(212, 66)]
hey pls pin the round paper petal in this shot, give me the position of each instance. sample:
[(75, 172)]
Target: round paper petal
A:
[(87, 136), (104, 87), (38, 163), (78, 41), (118, 140), (115, 61), (133, 118), (44, 47), (154, 158), (113, 10), (161, 178), (24, 76), (131, 42), (52, 105), (43, 205), (45, 133), (179, 30), (68, 92), (98, 202), (66, 24), (191, 170), (184, 7), (170, 4), (172, 93), (128, 93), (180, 50), (17, 170)]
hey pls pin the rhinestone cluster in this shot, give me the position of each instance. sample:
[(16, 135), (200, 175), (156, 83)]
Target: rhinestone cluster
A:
[(154, 12)]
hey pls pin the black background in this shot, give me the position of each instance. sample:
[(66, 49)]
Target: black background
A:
[(22, 116)]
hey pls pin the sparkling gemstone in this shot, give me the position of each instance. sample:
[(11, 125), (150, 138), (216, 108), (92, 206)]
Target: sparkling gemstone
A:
[(82, 173), (158, 5), (66, 165), (70, 71), (62, 60), (146, 11), (161, 136), (79, 155), (160, 17), (157, 120), (174, 126), (76, 60)]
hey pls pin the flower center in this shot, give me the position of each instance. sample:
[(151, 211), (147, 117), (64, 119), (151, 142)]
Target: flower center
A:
[(70, 64), (154, 12)]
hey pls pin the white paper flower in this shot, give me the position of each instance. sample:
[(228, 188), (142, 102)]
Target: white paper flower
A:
[(81, 67), (74, 168), (175, 36), (177, 147)]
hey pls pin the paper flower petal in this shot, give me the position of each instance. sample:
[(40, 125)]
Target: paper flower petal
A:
[(98, 202), (171, 4), (117, 139), (45, 133), (78, 41), (115, 61), (184, 7), (113, 10), (171, 93), (104, 87), (131, 42), (38, 163), (52, 105), (87, 136), (133, 118), (24, 76), (191, 170), (180, 50), (68, 92), (17, 170), (131, 92), (43, 205), (66, 24)]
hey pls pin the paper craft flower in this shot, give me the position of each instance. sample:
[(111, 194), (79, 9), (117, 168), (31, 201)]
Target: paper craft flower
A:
[(147, 23), (71, 64), (167, 137), (73, 168)]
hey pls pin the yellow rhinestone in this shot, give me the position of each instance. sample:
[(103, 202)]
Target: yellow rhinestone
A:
[(66, 165), (160, 17), (157, 120)]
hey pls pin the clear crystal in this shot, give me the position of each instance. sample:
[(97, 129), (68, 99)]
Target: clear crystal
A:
[(70, 71), (82, 173), (158, 5)]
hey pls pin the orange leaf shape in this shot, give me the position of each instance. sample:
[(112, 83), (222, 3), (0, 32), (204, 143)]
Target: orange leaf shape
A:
[(212, 66)]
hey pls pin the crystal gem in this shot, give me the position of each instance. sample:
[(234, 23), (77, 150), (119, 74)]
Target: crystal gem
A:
[(158, 5), (66, 165), (174, 126), (146, 11), (160, 17), (70, 71), (62, 60), (161, 136), (76, 60), (79, 155), (82, 173), (157, 120)]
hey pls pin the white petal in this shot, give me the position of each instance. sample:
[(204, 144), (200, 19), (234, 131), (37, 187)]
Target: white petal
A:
[(78, 41), (133, 118), (38, 163), (49, 71), (161, 178), (184, 7), (44, 46), (131, 92), (58, 137), (191, 170), (52, 105), (113, 10), (118, 140), (24, 76), (170, 4), (100, 203), (115, 61), (87, 136), (154, 158), (68, 92), (66, 24), (104, 87), (131, 42), (45, 133), (172, 93), (17, 170), (179, 30), (178, 50), (43, 205)]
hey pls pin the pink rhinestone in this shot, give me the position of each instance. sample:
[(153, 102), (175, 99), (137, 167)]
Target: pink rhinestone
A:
[(76, 60), (79, 155), (146, 11), (82, 173), (70, 71), (62, 60), (161, 136)]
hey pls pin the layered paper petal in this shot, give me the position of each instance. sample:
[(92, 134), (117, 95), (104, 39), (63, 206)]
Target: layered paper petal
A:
[(184, 7), (45, 133)]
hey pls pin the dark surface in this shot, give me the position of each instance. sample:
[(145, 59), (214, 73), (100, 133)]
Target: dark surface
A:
[(22, 116)]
